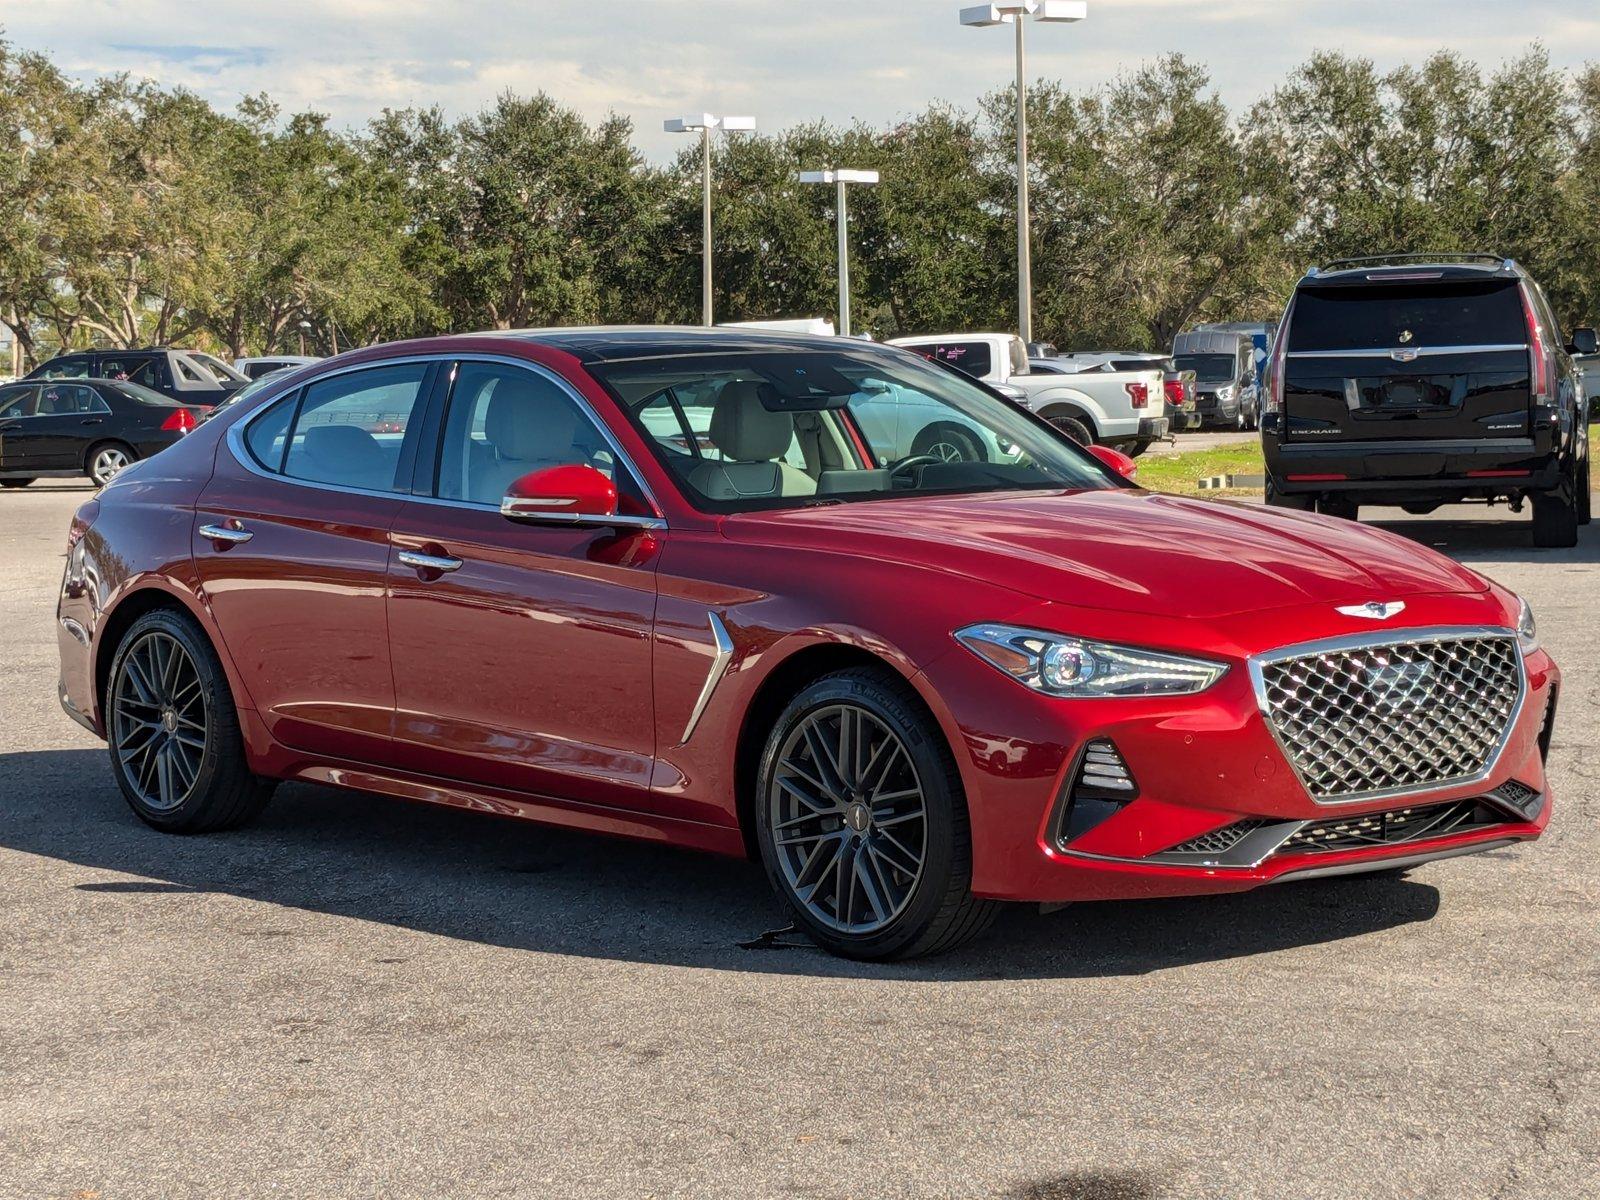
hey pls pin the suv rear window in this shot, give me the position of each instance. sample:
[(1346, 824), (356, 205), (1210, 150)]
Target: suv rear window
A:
[(972, 357), (1387, 316)]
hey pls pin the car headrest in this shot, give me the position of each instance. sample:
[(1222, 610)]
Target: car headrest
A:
[(527, 420), (343, 448), (746, 430)]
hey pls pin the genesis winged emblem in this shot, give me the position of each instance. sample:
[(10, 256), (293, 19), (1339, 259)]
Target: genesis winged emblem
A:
[(1374, 610)]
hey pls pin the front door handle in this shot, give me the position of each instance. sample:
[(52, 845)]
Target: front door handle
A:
[(222, 533), (91, 421), (429, 562), (9, 427)]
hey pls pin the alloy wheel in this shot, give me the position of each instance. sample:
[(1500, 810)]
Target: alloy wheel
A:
[(849, 819), (947, 452), (159, 721), (107, 464)]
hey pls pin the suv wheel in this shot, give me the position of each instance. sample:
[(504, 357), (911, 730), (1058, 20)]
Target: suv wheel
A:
[(1585, 498), (1555, 518), (862, 822), (1277, 499)]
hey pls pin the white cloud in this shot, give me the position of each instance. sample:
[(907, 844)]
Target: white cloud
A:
[(783, 60)]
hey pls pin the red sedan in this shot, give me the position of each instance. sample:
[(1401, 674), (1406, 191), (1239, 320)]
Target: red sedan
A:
[(689, 585)]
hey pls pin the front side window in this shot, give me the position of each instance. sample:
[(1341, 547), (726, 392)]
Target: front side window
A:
[(773, 430), (66, 368), (17, 402), (504, 422), (350, 429)]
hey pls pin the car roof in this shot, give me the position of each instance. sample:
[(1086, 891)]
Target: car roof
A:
[(1419, 268), (614, 343)]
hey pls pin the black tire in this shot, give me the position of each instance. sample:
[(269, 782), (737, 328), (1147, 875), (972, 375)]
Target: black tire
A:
[(221, 792), (937, 911), (1277, 499), (1135, 449), (1585, 497), (1074, 428), (1555, 518), (15, 483), (948, 443), (1338, 506), (98, 455), (1419, 509)]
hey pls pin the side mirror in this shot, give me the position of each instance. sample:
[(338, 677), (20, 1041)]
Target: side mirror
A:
[(1584, 341), (1116, 460), (570, 495)]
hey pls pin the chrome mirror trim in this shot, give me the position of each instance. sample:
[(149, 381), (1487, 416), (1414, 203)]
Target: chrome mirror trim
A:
[(511, 509)]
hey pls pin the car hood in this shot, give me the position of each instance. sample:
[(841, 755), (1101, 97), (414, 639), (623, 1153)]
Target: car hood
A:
[(1124, 550)]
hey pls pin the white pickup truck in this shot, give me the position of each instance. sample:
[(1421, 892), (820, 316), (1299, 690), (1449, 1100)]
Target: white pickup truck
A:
[(1126, 410)]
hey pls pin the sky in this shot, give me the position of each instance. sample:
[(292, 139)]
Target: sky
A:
[(781, 61)]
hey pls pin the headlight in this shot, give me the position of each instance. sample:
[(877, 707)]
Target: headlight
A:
[(1225, 393), (1527, 632), (1059, 665)]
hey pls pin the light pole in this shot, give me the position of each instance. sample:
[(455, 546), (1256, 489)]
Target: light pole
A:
[(1015, 13), (304, 328), (842, 219), (703, 124)]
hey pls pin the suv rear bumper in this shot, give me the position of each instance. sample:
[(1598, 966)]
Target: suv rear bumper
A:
[(1448, 469)]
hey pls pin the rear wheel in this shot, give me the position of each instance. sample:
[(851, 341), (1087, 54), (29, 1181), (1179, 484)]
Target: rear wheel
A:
[(1585, 498), (1073, 428), (106, 461), (862, 822), (176, 748), (1555, 518), (948, 443), (15, 483), (1277, 499), (1135, 449)]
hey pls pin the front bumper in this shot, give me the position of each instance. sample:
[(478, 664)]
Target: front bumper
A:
[(1206, 765)]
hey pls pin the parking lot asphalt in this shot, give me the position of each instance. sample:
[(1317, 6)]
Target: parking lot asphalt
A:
[(356, 997)]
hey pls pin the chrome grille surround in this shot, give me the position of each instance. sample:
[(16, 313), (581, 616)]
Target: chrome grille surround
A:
[(1386, 714)]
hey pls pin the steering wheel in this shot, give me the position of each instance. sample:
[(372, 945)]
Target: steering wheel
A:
[(912, 460)]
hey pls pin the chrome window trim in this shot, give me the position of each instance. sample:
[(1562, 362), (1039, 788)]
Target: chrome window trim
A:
[(1390, 637), (238, 430), (722, 655), (1414, 351)]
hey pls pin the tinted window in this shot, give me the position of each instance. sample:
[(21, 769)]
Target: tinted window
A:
[(17, 402), (351, 428), (972, 357), (265, 438), (1391, 316), (70, 399), (504, 422), (143, 369), (1209, 368), (65, 368)]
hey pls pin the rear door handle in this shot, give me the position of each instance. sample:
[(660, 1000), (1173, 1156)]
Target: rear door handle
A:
[(221, 533), (90, 421), (429, 562), (9, 427)]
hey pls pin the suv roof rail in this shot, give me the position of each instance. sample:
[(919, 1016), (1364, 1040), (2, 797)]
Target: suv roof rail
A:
[(1442, 257)]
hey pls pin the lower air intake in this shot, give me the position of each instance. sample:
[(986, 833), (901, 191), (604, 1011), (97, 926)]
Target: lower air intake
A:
[(1391, 828)]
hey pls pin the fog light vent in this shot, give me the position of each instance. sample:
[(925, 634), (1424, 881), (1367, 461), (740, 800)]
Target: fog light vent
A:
[(1100, 786)]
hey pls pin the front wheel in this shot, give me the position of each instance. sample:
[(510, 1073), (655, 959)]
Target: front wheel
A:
[(15, 483), (176, 748), (862, 822), (108, 460)]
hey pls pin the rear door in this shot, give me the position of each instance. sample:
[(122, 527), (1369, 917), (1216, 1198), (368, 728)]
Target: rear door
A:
[(71, 416), (1412, 361)]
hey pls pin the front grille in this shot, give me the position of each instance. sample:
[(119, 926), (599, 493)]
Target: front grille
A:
[(1391, 828), (1218, 841), (1393, 716)]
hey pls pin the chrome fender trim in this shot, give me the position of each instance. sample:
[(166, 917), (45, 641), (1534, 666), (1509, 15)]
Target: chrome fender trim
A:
[(721, 656)]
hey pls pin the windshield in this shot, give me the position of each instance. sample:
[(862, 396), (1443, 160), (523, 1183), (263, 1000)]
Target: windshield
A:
[(244, 393), (742, 432), (221, 370), (1209, 368)]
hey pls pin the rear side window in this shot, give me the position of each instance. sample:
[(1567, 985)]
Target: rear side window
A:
[(351, 428), (145, 370), (267, 435), (972, 357), (1391, 316), (70, 399)]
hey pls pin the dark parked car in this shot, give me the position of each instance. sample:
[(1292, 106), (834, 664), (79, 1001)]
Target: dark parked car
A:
[(187, 376), (93, 427), (1424, 380)]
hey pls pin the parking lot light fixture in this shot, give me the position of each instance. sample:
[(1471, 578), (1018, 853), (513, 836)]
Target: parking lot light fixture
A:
[(842, 179), (704, 124), (1018, 13)]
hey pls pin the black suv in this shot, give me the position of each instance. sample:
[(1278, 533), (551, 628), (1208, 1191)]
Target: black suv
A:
[(1421, 380), (186, 376)]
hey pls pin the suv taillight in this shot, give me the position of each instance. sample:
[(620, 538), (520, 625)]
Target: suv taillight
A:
[(1273, 401), (1537, 349), (181, 421), (1174, 390), (1138, 394)]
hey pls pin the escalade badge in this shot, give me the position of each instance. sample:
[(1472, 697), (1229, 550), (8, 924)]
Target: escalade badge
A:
[(1403, 355), (1374, 610)]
